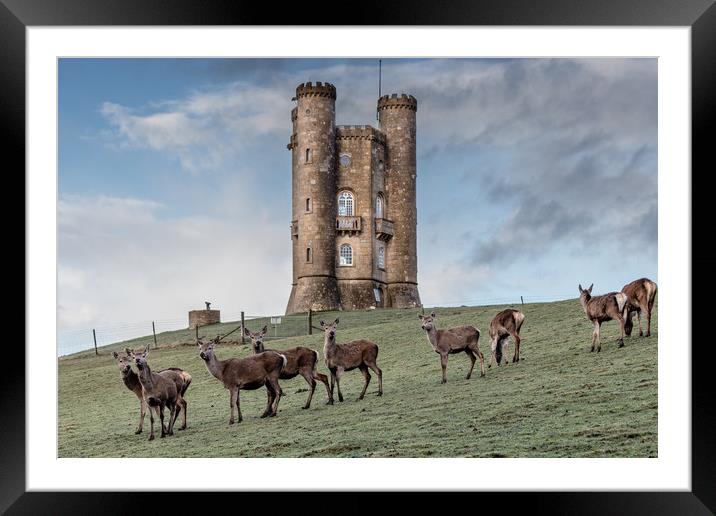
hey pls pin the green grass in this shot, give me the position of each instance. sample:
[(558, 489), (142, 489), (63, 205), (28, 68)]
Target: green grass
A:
[(559, 401)]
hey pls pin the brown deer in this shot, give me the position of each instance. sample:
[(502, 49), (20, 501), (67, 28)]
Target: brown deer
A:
[(461, 339), (361, 354), (159, 393), (181, 378), (131, 380), (505, 324), (248, 374), (599, 309), (641, 294), (299, 360)]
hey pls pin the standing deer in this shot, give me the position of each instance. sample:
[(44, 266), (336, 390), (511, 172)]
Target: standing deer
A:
[(361, 354), (599, 309), (159, 393), (181, 379), (131, 381), (461, 339), (505, 324), (299, 360), (641, 294), (248, 374)]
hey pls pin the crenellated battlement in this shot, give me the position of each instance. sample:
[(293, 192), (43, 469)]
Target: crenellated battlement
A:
[(359, 132), (320, 89), (396, 101)]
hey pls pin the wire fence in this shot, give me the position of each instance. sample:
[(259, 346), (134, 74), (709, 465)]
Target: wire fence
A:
[(176, 332)]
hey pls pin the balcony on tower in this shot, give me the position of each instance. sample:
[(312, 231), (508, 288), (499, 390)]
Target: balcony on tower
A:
[(294, 228), (383, 229), (349, 224)]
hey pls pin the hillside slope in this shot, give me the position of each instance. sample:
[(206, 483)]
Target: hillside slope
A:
[(559, 401)]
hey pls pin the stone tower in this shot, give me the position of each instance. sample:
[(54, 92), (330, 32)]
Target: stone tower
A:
[(353, 227)]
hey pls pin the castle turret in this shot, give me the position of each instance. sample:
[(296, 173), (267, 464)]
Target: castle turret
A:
[(397, 115), (313, 234)]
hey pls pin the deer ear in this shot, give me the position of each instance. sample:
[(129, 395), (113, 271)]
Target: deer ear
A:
[(247, 332), (432, 314), (264, 329), (580, 288), (420, 317), (590, 288), (322, 324), (115, 354), (336, 321)]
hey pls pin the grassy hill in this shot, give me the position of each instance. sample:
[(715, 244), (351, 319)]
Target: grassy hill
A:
[(558, 401)]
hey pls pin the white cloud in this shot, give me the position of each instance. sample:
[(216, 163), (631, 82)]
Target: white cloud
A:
[(123, 260)]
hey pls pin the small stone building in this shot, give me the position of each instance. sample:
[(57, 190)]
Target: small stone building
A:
[(198, 318), (353, 228)]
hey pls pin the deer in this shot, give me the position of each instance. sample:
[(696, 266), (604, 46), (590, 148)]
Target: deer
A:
[(299, 360), (641, 294), (599, 309), (181, 379), (461, 339), (250, 373), (505, 324), (159, 393), (361, 354), (131, 381)]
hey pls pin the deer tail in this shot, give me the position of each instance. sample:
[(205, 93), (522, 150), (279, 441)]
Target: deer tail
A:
[(285, 360), (318, 356)]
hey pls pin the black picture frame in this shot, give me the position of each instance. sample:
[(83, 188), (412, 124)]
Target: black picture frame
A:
[(700, 15)]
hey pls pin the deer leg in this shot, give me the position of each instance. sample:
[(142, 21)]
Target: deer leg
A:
[(323, 378), (443, 364), (516, 356), (506, 349), (599, 337), (648, 319), (309, 376), (377, 371), (151, 423), (366, 376), (470, 354), (279, 392), (594, 337), (233, 395), (338, 374), (621, 332), (238, 405), (161, 418), (172, 417), (142, 413), (333, 384), (183, 414), (493, 347), (271, 395)]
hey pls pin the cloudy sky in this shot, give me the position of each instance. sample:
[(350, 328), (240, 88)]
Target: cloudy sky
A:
[(534, 175)]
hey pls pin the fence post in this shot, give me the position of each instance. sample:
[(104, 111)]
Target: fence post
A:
[(94, 336), (523, 301), (154, 332), (310, 321), (422, 309), (196, 332), (242, 328)]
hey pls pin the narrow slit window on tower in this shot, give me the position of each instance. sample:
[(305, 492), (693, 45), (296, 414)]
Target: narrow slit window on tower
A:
[(345, 204), (381, 257), (308, 204), (309, 255), (379, 207), (309, 156), (346, 255)]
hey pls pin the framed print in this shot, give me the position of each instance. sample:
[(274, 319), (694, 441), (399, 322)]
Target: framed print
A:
[(447, 251)]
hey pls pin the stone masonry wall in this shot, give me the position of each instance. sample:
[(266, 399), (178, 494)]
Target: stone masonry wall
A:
[(203, 318)]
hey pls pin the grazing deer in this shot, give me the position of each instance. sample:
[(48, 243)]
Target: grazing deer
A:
[(361, 354), (599, 309), (299, 360), (505, 324), (159, 393), (641, 294), (248, 374), (461, 339), (131, 380)]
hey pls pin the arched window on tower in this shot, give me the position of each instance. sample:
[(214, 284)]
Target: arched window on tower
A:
[(345, 204), (346, 255), (379, 207), (381, 257)]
